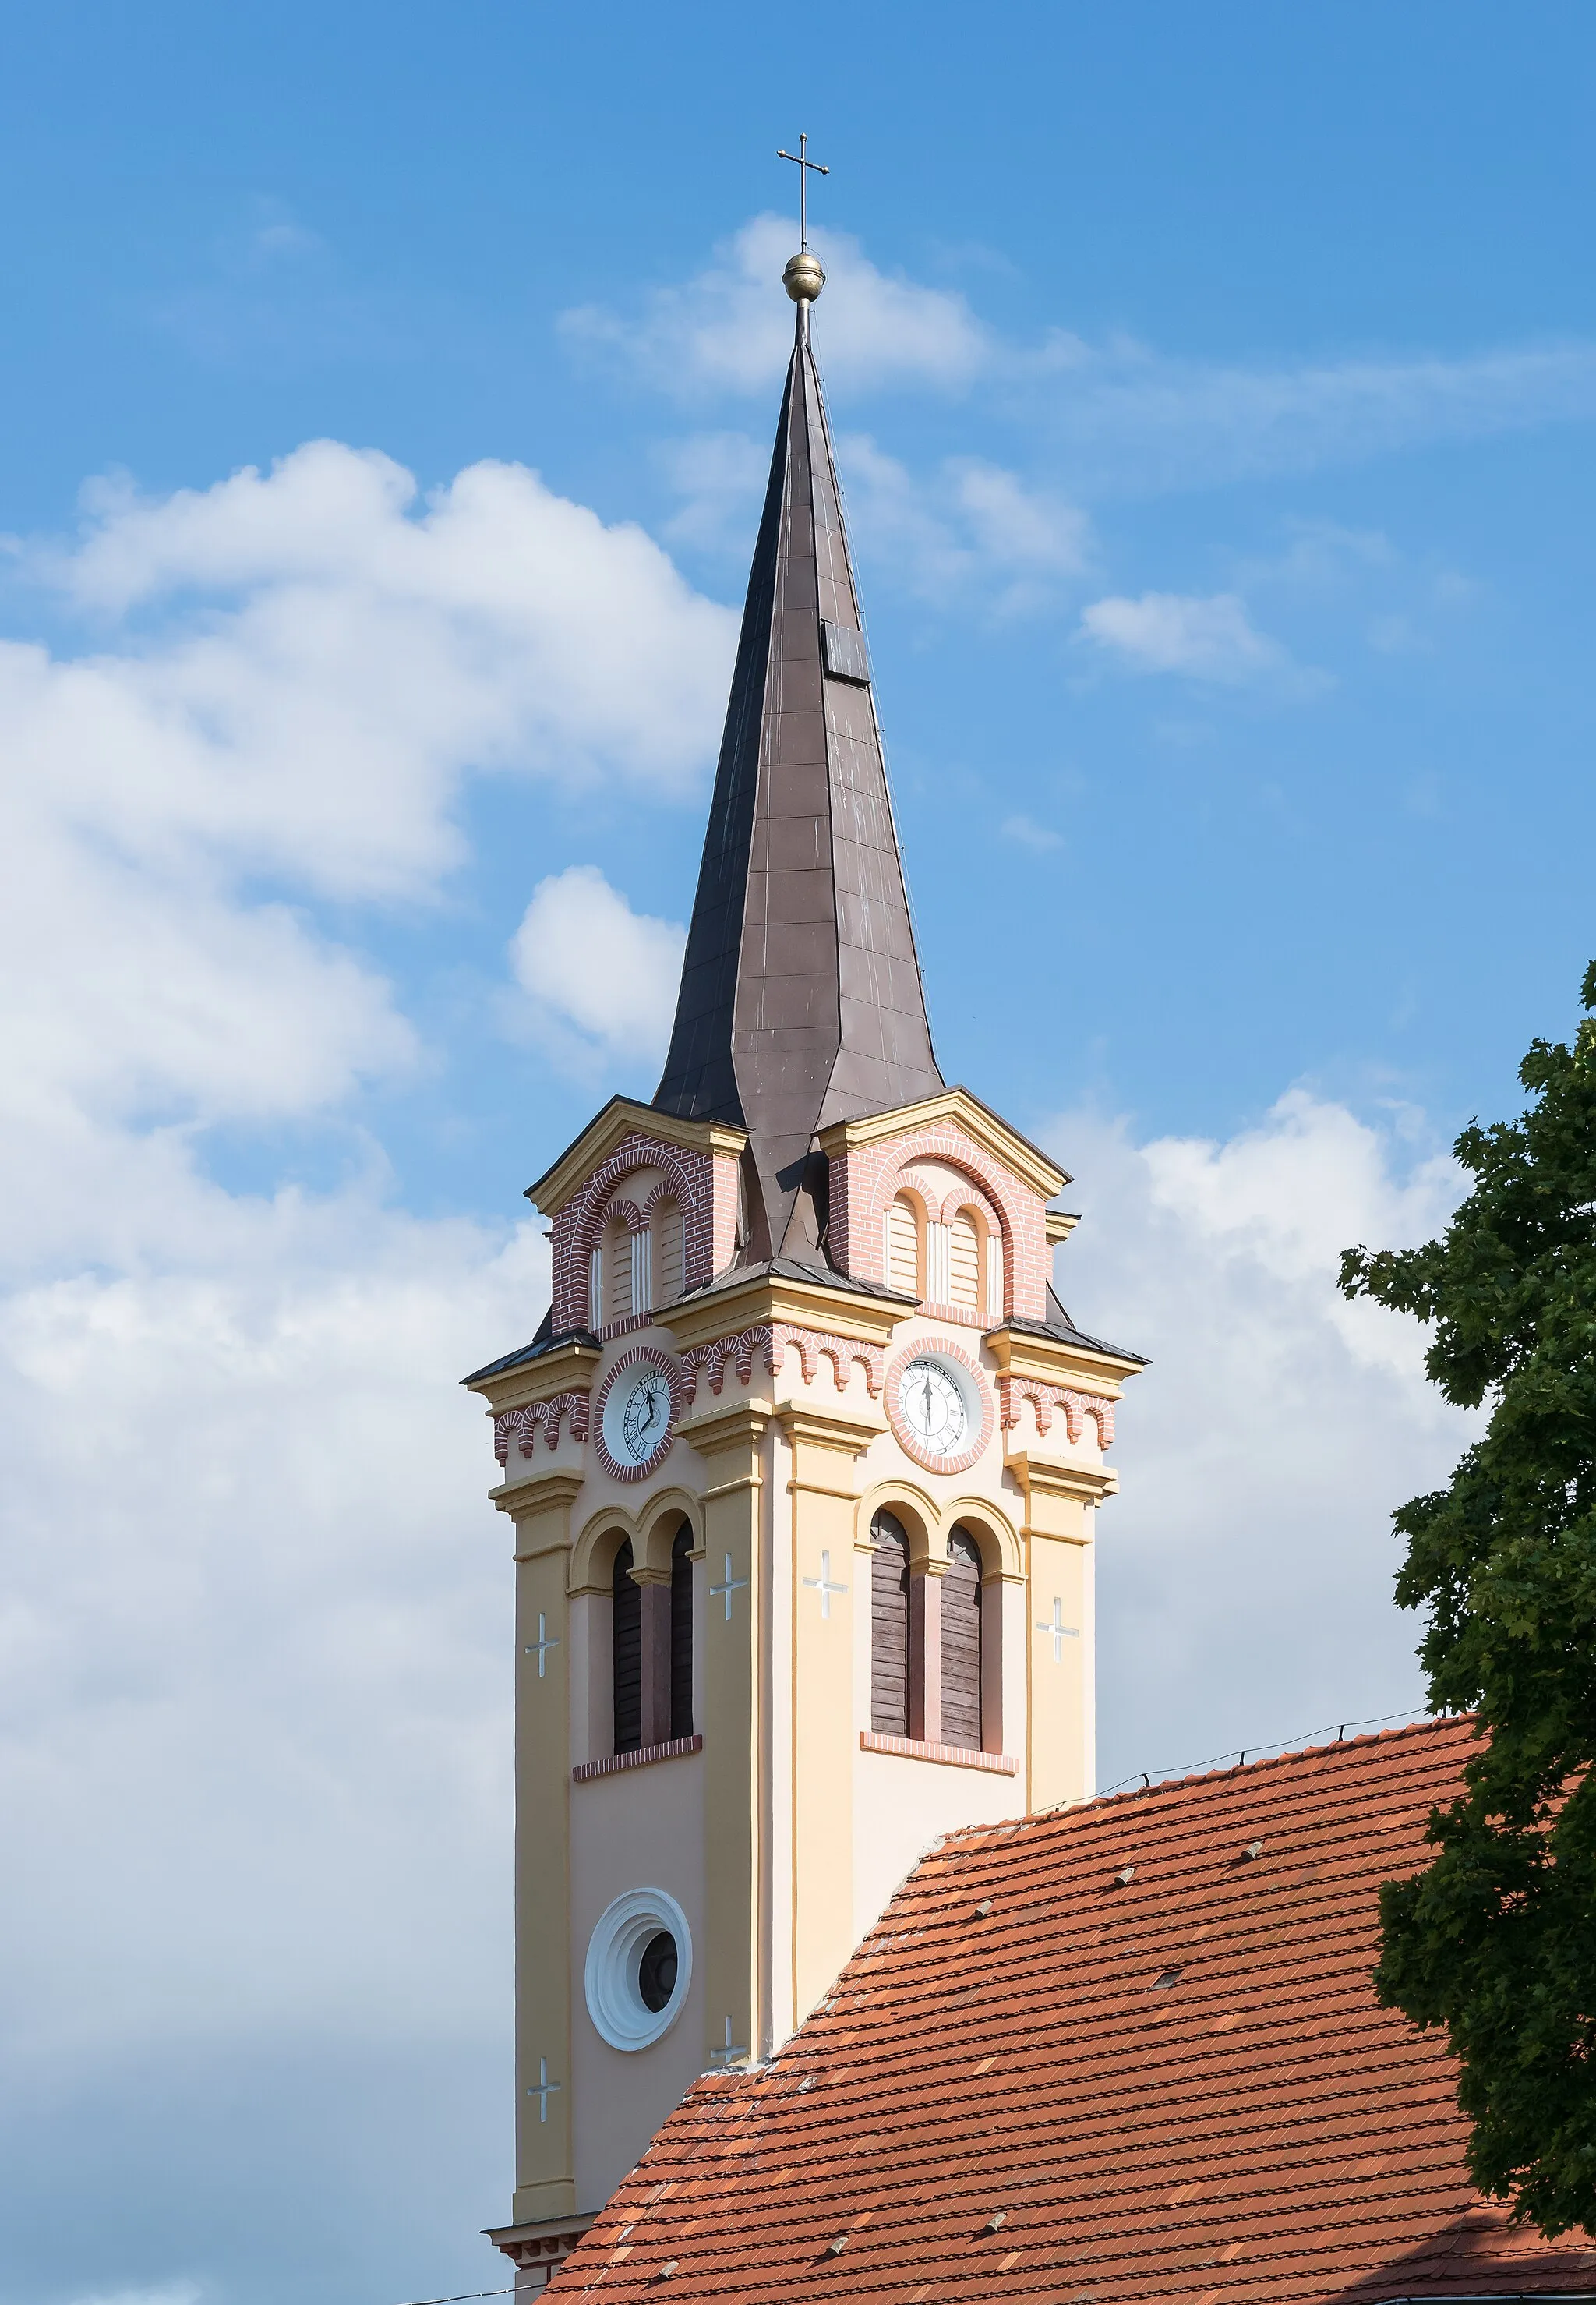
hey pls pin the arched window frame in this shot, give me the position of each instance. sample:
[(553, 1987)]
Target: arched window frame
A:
[(962, 1677)]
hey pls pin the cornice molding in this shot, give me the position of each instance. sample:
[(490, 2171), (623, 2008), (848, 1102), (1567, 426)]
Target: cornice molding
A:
[(1050, 1360), (1017, 1154), (766, 1298), (1048, 1477), (538, 1493), (570, 1367), (622, 1118)]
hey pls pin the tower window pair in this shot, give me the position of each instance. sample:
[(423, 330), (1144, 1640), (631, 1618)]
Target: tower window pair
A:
[(631, 1267), (651, 1650), (959, 1263), (899, 1637)]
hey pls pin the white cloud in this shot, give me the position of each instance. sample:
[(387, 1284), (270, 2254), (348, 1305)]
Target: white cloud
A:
[(1028, 834), (1246, 1567), (1208, 638), (596, 973), (731, 325)]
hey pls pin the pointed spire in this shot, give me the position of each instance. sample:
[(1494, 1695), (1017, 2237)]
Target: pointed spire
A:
[(801, 1000)]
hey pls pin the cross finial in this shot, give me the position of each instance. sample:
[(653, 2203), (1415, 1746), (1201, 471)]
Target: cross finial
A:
[(803, 163)]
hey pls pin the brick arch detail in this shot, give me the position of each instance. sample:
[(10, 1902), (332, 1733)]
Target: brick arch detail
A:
[(1011, 1204), (577, 1224)]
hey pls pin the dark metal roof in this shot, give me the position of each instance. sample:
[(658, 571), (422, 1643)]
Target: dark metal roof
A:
[(801, 1000), (545, 1341), (1060, 1324)]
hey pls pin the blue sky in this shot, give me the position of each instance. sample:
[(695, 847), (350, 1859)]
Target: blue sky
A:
[(1214, 393)]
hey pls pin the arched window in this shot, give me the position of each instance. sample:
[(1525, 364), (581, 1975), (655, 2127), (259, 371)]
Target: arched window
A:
[(682, 1632), (668, 1252), (889, 1627), (961, 1643), (617, 1270), (626, 1639), (963, 1261), (902, 1246)]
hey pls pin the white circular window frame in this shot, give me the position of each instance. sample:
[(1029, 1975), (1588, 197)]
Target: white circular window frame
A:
[(615, 1948)]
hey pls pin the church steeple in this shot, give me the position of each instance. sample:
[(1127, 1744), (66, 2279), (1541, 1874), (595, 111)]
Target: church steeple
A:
[(801, 1002)]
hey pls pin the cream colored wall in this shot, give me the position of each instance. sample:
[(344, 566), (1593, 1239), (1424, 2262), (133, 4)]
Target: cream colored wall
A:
[(643, 1828), (900, 1807)]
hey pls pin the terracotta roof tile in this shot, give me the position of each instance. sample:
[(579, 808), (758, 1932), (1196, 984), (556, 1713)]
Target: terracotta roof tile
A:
[(1177, 2086)]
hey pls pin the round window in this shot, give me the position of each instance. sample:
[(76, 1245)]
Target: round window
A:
[(639, 1967)]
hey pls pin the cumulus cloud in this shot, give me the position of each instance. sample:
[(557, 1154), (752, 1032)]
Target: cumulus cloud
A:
[(600, 980), (731, 328), (1246, 1567), (1209, 638)]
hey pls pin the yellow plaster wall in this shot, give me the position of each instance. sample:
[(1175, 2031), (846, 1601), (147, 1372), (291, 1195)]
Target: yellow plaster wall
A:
[(643, 1828), (900, 1807), (544, 2175)]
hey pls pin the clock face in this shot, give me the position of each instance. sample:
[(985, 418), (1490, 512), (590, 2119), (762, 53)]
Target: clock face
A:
[(637, 1415), (931, 1403)]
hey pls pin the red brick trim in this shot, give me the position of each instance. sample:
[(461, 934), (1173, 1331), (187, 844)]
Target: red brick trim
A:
[(903, 1432), (522, 1426), (952, 1757), (712, 1360), (1045, 1398), (618, 1762)]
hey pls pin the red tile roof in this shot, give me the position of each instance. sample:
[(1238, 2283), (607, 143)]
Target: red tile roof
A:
[(1154, 2068)]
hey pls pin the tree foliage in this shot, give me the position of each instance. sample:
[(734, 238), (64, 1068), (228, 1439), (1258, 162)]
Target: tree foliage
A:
[(1496, 1941)]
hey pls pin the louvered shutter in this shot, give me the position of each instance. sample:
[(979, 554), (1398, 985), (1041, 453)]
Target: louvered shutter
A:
[(668, 1235), (961, 1644), (617, 1270), (682, 1633), (963, 1260), (626, 1637), (903, 1248), (889, 1628)]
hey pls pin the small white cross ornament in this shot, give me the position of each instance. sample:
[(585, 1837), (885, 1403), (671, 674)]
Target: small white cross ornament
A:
[(1060, 1631), (732, 1585), (731, 2049), (543, 2088), (823, 1585), (540, 1648)]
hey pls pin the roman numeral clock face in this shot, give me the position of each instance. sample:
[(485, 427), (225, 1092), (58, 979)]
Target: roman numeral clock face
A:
[(637, 1415)]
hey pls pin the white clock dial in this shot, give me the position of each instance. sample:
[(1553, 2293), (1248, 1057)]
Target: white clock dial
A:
[(932, 1404), (637, 1415), (646, 1415)]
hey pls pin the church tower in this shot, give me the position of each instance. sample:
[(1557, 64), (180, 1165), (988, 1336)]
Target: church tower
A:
[(803, 1465)]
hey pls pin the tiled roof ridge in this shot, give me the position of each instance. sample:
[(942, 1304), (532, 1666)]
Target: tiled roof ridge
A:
[(963, 1836)]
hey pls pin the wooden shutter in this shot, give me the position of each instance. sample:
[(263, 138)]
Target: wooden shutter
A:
[(617, 1270), (667, 1237), (961, 1644), (682, 1633), (903, 1248), (963, 1259), (626, 1636), (889, 1628)]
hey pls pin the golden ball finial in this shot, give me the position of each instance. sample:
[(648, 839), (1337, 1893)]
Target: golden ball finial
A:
[(804, 278)]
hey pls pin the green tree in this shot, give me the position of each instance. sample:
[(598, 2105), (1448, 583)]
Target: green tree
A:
[(1496, 1941)]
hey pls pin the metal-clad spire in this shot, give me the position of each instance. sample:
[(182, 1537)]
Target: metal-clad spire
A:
[(801, 1000)]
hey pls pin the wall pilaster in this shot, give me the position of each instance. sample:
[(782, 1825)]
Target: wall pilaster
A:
[(824, 1490), (730, 1444), (545, 2174)]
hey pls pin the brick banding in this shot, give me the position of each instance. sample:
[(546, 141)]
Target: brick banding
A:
[(639, 1758)]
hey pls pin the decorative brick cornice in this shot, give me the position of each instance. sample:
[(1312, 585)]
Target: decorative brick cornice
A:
[(769, 1340), (618, 1762), (954, 1757), (1048, 1399), (522, 1426)]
